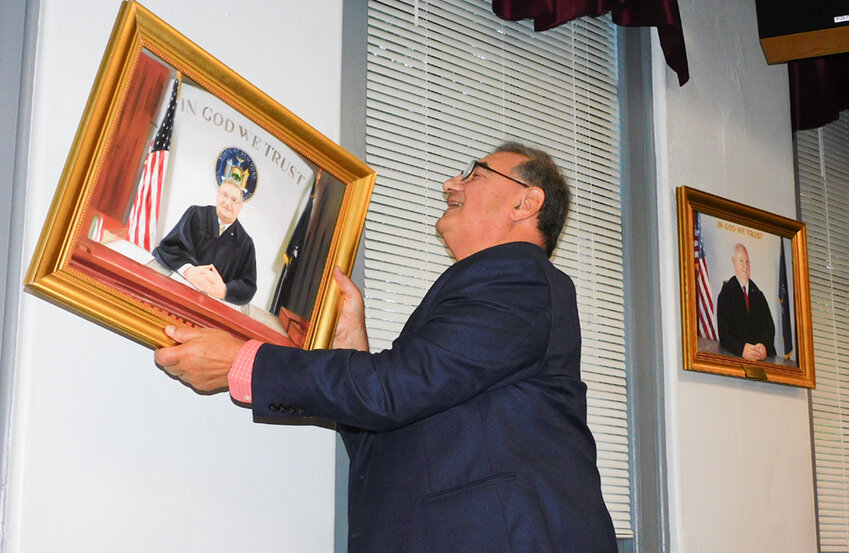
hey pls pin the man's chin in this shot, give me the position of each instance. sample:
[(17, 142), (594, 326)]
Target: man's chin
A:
[(439, 224), (444, 220)]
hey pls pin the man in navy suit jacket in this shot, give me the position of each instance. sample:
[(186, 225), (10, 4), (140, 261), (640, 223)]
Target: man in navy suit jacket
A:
[(469, 434)]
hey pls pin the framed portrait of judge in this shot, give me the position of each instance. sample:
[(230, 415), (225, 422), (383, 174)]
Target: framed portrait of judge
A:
[(192, 198), (745, 297)]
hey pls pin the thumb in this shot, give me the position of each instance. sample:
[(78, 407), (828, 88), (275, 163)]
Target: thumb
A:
[(346, 285)]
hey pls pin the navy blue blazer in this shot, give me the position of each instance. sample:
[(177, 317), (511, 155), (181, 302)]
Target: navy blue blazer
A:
[(469, 434)]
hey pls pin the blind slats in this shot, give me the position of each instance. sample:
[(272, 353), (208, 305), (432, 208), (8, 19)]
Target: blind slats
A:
[(823, 177)]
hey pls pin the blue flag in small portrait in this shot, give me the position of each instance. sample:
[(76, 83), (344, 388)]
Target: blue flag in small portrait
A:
[(784, 300)]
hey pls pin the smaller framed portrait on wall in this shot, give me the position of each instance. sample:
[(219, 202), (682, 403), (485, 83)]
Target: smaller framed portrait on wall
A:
[(745, 298)]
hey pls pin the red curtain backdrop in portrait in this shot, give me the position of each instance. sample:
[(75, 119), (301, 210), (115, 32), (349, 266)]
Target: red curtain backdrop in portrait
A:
[(116, 184), (662, 14)]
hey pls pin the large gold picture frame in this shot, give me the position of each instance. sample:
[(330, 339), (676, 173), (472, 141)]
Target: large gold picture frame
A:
[(719, 240), (165, 124)]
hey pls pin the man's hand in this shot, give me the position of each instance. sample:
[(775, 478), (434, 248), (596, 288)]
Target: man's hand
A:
[(351, 329), (754, 352), (202, 358)]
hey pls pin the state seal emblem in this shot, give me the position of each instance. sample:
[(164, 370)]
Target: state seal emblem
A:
[(236, 165)]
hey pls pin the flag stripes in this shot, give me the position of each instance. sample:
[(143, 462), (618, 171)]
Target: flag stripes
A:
[(95, 231), (705, 308), (145, 212)]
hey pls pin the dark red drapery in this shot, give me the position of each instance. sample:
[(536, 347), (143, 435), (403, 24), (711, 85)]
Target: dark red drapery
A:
[(662, 14), (819, 90)]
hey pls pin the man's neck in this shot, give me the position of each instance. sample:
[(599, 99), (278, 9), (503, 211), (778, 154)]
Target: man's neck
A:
[(471, 251)]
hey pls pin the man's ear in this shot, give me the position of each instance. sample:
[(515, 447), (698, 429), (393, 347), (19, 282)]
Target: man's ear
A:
[(528, 203)]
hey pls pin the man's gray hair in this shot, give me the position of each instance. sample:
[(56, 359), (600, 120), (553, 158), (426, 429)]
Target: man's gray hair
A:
[(541, 171)]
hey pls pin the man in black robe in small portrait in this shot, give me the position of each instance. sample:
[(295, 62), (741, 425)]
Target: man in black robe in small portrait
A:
[(745, 323), (211, 249)]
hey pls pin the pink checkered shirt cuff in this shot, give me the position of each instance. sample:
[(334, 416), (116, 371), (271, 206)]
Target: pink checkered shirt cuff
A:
[(239, 377)]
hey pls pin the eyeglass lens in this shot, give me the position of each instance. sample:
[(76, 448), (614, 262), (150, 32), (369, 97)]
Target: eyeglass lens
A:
[(467, 172)]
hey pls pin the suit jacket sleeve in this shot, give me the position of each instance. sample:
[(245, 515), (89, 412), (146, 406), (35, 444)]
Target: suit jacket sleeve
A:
[(486, 325)]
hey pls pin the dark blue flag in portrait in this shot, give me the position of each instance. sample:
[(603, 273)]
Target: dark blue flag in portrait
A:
[(784, 300)]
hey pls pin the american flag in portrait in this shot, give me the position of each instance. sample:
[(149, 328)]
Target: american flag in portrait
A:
[(145, 211), (705, 308)]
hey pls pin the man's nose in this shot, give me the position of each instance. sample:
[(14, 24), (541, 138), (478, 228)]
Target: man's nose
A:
[(454, 183)]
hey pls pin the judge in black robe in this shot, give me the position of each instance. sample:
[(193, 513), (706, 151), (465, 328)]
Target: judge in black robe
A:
[(195, 242), (743, 324)]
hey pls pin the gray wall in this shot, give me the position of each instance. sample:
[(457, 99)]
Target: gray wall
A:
[(18, 30)]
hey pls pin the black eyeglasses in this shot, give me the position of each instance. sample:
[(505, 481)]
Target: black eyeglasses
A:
[(467, 172)]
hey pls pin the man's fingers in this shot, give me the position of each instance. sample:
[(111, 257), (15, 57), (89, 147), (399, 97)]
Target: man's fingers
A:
[(170, 330), (202, 358), (346, 285), (342, 280), (350, 330), (339, 277), (167, 357), (183, 334)]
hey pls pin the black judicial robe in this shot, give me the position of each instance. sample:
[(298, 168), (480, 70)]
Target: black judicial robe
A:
[(194, 240), (739, 326)]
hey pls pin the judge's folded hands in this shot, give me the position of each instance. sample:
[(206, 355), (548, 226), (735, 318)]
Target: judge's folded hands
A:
[(203, 356), (207, 279), (754, 352)]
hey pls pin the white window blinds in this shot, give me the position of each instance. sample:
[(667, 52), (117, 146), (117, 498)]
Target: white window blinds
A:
[(822, 157), (447, 82)]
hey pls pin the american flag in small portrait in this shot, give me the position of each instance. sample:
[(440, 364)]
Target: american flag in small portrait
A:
[(145, 211), (705, 308)]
